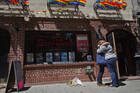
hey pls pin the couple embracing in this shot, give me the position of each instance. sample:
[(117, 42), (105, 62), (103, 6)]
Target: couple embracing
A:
[(106, 57)]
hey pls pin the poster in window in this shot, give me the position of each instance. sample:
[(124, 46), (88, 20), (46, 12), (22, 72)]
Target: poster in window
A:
[(39, 57), (49, 57), (82, 42), (30, 57), (89, 58), (64, 57), (71, 56), (57, 57)]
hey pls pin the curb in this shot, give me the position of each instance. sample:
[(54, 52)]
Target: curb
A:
[(130, 78), (2, 87), (123, 78)]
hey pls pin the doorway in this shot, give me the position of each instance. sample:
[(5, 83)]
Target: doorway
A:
[(125, 48), (4, 50)]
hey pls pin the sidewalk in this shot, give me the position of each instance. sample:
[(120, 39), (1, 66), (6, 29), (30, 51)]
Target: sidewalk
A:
[(128, 86)]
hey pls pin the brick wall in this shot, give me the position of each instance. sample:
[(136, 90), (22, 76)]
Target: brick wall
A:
[(42, 74)]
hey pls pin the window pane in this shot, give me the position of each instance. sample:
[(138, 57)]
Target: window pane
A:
[(57, 47)]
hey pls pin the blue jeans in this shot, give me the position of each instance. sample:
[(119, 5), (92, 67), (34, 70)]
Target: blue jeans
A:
[(113, 74), (100, 74)]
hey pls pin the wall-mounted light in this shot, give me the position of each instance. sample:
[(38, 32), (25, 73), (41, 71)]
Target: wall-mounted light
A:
[(127, 25), (26, 18)]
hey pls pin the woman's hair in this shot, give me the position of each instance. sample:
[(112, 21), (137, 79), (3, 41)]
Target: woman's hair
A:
[(101, 42)]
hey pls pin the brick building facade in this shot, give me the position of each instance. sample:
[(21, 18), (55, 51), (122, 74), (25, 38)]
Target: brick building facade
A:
[(52, 73)]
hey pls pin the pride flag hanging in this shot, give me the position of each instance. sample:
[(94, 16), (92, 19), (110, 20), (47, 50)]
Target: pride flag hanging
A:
[(82, 2), (26, 2), (111, 4), (14, 2), (59, 2), (68, 2), (19, 2), (72, 2)]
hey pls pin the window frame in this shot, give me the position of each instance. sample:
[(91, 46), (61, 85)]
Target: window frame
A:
[(52, 51)]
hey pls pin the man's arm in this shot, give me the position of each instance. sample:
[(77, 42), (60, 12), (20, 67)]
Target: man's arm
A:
[(101, 49)]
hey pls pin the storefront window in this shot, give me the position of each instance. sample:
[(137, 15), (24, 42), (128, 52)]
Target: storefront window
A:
[(56, 47)]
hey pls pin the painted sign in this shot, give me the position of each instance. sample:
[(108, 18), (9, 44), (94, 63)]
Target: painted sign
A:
[(64, 57), (82, 43), (15, 75), (49, 57), (71, 56)]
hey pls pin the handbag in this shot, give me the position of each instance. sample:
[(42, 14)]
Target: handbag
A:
[(100, 59)]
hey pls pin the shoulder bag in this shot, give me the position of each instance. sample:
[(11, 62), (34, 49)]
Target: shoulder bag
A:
[(100, 59)]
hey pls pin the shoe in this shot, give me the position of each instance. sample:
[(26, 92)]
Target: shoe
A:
[(113, 86), (100, 84)]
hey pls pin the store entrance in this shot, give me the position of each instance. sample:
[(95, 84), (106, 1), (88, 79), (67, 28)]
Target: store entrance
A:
[(4, 50), (125, 48)]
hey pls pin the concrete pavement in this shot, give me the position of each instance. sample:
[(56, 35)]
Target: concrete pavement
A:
[(128, 86)]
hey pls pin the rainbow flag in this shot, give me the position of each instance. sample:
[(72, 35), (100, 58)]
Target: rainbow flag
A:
[(68, 2), (59, 2), (14, 2), (108, 4), (111, 4), (82, 2), (26, 2), (18, 3), (73, 3), (101, 5), (124, 4)]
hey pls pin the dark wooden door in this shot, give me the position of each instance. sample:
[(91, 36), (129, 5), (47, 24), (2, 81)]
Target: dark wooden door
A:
[(4, 50), (125, 48)]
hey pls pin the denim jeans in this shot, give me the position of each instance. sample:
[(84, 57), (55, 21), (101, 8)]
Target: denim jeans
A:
[(113, 74), (100, 74)]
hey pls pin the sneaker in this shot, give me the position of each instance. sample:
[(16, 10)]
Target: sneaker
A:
[(113, 86), (100, 84)]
